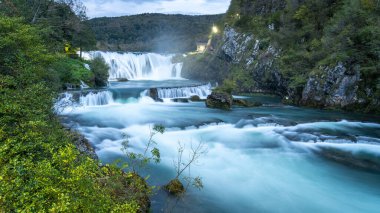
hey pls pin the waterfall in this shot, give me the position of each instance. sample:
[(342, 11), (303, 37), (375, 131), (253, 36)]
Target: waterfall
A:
[(70, 100), (185, 92), (96, 99), (139, 66), (83, 85), (64, 100)]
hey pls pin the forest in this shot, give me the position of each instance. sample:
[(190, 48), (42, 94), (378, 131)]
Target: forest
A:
[(152, 32)]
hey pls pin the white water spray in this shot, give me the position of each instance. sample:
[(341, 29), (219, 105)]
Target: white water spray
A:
[(185, 92), (96, 99), (139, 66)]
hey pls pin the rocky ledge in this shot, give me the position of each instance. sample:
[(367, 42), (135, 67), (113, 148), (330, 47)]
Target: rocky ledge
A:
[(83, 145)]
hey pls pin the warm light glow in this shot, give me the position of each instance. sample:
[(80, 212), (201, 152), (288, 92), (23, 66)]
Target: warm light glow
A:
[(215, 29), (201, 48)]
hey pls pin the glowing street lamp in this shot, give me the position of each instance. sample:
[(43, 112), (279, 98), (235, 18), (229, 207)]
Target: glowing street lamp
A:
[(215, 29)]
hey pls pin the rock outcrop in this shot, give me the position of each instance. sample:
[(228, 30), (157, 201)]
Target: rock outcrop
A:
[(257, 58), (258, 64), (83, 145), (336, 87), (219, 100)]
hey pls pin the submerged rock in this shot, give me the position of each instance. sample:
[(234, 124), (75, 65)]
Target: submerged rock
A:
[(122, 79), (181, 100), (219, 100), (240, 102), (153, 93), (358, 160), (175, 187), (195, 98), (244, 103)]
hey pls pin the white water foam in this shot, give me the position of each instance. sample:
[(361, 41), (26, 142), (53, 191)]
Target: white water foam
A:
[(96, 99), (185, 92), (138, 66)]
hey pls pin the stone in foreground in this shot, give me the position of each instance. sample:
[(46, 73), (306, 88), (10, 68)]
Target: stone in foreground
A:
[(175, 187), (219, 100)]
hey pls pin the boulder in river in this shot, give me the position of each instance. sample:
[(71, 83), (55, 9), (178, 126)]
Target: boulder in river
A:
[(219, 100), (195, 98), (175, 187)]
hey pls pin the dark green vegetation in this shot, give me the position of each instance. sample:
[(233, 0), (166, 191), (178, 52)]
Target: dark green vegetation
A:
[(152, 32), (41, 170), (175, 187), (323, 53)]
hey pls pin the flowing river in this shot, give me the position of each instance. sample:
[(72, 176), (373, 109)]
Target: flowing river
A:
[(273, 158)]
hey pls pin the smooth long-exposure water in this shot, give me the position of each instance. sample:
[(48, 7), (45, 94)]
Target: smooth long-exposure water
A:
[(273, 158)]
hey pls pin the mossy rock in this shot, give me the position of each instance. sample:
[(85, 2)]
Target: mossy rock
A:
[(175, 187), (219, 100), (195, 98), (126, 186)]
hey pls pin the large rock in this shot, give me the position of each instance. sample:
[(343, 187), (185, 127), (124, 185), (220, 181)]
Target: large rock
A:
[(219, 100), (336, 87), (195, 98), (257, 58), (153, 93)]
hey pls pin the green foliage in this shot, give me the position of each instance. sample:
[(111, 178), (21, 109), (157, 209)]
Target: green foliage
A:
[(152, 32), (40, 168), (228, 86), (58, 22), (100, 70), (242, 79), (205, 66), (141, 160), (72, 71), (175, 187), (313, 34)]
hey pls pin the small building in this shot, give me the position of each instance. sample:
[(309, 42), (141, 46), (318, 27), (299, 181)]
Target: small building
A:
[(201, 47)]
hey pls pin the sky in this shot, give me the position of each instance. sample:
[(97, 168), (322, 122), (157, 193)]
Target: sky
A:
[(113, 8)]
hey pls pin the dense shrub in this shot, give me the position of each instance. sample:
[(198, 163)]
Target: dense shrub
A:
[(100, 70)]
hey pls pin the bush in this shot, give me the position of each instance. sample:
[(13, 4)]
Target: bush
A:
[(100, 70), (228, 86), (72, 71)]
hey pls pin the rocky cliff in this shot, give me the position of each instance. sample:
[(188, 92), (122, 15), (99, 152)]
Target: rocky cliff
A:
[(257, 51)]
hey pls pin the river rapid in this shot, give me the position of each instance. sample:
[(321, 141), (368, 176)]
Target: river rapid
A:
[(273, 158)]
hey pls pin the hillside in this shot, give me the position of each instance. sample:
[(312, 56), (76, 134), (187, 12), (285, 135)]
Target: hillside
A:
[(152, 32), (315, 53)]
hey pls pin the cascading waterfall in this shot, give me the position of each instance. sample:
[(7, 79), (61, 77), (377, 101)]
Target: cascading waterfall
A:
[(139, 66), (69, 100), (185, 92), (96, 99)]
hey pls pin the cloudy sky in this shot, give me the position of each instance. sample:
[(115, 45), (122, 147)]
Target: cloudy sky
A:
[(100, 8)]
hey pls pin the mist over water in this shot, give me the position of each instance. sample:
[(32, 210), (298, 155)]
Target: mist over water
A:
[(263, 159)]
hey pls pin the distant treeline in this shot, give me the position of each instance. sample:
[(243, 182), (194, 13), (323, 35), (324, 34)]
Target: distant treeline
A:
[(152, 32)]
